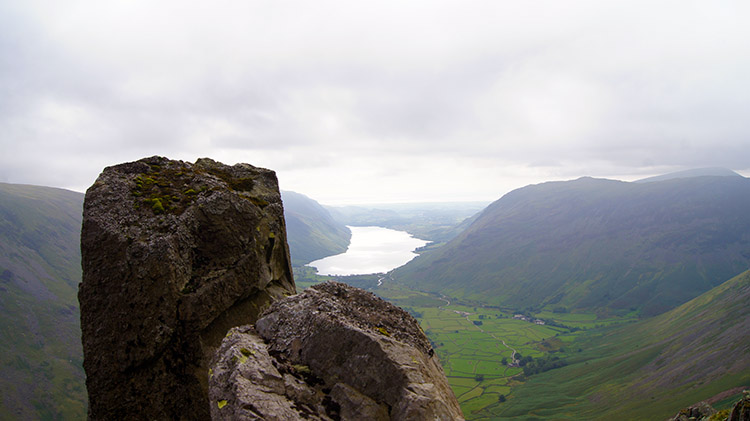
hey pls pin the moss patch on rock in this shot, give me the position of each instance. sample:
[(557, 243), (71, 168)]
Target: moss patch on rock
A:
[(168, 187)]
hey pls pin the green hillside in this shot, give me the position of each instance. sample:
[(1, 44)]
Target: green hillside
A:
[(648, 370), (311, 231), (40, 340), (596, 244)]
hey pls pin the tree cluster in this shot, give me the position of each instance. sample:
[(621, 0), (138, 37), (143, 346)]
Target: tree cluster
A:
[(540, 365)]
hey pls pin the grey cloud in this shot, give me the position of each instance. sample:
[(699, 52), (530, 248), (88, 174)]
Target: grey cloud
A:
[(546, 89)]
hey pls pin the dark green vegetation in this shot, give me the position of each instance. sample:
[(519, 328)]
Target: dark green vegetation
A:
[(305, 277), (595, 244), (437, 222), (312, 233), (41, 373), (648, 370)]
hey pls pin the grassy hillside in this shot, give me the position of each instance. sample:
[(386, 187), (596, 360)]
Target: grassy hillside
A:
[(41, 373), (311, 231), (648, 370), (592, 243)]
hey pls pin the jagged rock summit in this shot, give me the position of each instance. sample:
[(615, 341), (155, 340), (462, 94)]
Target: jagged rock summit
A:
[(741, 410), (331, 352), (704, 412), (173, 254)]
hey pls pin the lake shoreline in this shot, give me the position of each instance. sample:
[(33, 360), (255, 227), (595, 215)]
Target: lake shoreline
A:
[(372, 250)]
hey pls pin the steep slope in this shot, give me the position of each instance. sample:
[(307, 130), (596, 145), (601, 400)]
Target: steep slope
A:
[(593, 243), (41, 373), (312, 232), (651, 369)]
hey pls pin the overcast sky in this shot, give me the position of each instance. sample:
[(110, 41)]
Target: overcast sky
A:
[(376, 101)]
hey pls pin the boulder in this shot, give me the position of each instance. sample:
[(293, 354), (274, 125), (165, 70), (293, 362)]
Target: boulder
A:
[(741, 410), (331, 352), (700, 411), (174, 254)]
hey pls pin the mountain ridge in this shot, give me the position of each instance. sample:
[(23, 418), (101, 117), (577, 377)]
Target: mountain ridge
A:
[(695, 172), (313, 233), (650, 369), (579, 243)]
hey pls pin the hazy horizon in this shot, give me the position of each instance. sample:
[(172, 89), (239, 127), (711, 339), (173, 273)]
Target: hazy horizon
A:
[(386, 204), (376, 102)]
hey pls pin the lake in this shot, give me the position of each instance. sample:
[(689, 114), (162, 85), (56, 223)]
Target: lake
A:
[(371, 250)]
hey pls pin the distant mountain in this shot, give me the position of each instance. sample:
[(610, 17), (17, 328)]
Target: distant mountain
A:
[(593, 243), (651, 369), (698, 172), (40, 336), (437, 222), (312, 233)]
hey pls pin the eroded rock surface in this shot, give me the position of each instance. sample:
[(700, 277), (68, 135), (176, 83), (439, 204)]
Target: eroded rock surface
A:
[(332, 352), (741, 410), (699, 411), (705, 412), (174, 254)]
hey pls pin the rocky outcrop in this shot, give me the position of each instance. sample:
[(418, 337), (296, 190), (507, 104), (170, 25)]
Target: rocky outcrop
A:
[(700, 411), (741, 410), (705, 412), (174, 254), (331, 352)]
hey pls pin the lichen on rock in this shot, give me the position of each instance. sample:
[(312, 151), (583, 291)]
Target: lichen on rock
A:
[(173, 254)]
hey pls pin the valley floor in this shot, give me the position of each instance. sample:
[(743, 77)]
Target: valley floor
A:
[(513, 364), (478, 345)]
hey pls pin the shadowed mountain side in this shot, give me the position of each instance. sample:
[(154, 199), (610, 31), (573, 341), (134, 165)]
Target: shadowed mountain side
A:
[(592, 243), (651, 369), (312, 232), (41, 373)]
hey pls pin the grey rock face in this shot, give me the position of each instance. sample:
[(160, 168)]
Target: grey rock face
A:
[(338, 353), (173, 254), (247, 383)]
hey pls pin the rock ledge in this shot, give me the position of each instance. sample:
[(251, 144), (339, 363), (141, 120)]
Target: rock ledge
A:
[(331, 352)]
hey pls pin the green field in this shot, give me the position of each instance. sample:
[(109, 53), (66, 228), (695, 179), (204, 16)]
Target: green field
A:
[(305, 277), (472, 340), (613, 368)]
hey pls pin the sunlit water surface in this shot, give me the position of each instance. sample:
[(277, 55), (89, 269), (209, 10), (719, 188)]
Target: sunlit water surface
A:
[(372, 250)]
